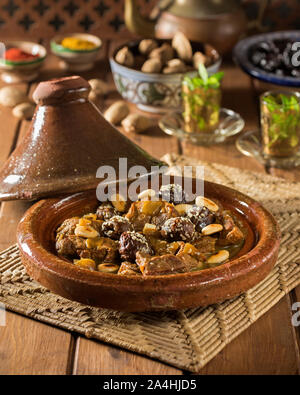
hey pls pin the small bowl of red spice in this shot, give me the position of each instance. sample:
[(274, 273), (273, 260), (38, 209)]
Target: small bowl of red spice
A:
[(21, 61)]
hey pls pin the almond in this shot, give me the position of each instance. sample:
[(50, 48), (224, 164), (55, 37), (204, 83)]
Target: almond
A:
[(183, 47), (211, 229), (125, 57), (220, 257), (203, 201), (116, 112)]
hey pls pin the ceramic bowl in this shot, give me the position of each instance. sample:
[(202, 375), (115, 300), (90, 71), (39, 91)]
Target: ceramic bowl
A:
[(13, 71), (242, 50), (36, 240), (76, 60), (153, 92)]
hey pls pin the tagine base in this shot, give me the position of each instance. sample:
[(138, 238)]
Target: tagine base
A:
[(249, 144)]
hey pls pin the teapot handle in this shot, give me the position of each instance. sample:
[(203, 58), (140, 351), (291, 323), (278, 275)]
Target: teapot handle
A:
[(161, 6)]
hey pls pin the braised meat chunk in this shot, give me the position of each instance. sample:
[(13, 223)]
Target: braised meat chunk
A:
[(159, 234)]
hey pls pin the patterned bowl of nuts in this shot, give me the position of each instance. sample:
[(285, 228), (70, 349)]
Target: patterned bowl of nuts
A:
[(149, 72), (164, 249)]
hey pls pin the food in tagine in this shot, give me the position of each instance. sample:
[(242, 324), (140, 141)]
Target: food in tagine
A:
[(152, 236)]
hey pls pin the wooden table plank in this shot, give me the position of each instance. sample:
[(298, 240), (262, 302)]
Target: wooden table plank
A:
[(30, 347), (97, 358), (266, 347)]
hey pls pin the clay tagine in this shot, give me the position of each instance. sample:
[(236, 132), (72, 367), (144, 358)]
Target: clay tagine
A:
[(67, 141)]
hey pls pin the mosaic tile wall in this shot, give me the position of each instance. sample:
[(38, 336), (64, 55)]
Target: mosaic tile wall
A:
[(39, 19)]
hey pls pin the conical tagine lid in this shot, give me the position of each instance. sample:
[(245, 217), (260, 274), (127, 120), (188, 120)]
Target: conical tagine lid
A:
[(67, 141)]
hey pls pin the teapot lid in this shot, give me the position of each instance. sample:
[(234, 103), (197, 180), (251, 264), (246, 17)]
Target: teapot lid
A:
[(67, 142)]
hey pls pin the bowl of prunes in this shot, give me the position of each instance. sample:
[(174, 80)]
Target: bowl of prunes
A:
[(271, 57)]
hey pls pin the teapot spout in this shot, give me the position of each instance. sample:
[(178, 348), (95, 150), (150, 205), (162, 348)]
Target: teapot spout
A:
[(136, 23)]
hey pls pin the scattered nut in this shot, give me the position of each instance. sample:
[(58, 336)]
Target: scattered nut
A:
[(211, 229), (119, 202), (108, 268), (136, 123), (85, 263), (163, 53), (199, 58), (152, 66), (99, 88), (175, 66), (86, 231), (125, 57), (203, 201), (147, 193), (183, 208), (220, 257), (116, 112), (183, 46), (147, 45), (24, 110), (10, 96)]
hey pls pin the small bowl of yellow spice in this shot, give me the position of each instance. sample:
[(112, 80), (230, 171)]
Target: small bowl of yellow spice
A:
[(77, 51)]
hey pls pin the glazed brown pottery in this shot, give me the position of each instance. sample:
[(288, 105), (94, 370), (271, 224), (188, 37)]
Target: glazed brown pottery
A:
[(36, 239), (67, 141)]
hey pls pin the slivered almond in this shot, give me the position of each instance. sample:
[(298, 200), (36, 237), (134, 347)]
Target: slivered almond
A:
[(182, 208), (85, 263), (203, 201), (107, 268), (146, 194), (220, 257), (149, 229), (119, 202), (211, 229), (86, 231)]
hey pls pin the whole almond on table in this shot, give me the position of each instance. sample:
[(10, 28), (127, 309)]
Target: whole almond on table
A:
[(136, 123), (125, 57), (24, 110), (152, 66), (117, 112), (163, 53), (99, 88), (147, 45), (10, 96), (183, 47)]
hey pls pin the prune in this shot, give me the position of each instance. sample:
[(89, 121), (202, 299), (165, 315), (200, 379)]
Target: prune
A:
[(275, 57), (105, 211), (115, 226), (200, 217), (178, 228), (172, 193), (132, 242)]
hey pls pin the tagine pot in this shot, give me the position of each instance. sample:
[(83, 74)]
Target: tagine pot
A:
[(219, 23), (67, 141)]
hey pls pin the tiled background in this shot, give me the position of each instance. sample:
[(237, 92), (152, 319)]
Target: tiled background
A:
[(43, 18)]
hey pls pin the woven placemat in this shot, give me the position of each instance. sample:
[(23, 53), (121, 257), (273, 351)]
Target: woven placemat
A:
[(186, 339)]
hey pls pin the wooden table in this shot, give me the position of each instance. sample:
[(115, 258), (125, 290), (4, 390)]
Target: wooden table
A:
[(270, 346)]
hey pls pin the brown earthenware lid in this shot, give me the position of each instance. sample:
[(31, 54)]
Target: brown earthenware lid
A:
[(67, 141)]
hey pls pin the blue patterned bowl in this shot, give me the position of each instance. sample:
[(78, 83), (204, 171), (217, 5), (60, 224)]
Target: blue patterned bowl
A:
[(152, 92), (241, 56)]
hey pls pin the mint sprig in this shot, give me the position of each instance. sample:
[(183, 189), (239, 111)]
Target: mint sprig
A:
[(203, 80)]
